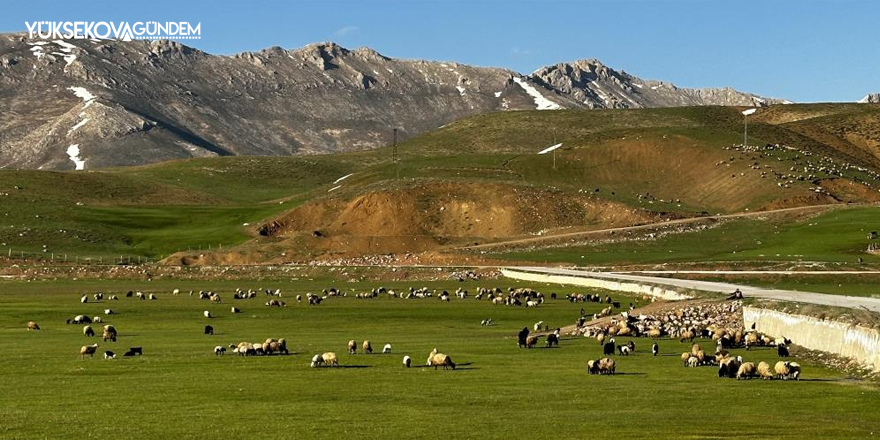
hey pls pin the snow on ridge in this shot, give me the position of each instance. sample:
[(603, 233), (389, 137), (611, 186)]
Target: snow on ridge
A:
[(73, 152), (78, 125), (65, 46), (497, 94), (81, 92), (541, 102), (461, 90)]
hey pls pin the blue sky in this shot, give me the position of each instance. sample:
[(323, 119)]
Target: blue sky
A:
[(800, 50)]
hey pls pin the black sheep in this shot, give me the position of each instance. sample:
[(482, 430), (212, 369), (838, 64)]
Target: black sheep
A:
[(655, 349), (782, 350), (608, 348), (552, 339), (209, 330), (632, 346)]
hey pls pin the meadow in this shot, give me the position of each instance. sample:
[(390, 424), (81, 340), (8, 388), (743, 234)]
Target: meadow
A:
[(180, 389)]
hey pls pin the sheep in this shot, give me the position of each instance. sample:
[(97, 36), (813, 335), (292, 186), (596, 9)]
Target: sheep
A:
[(782, 350), (326, 358), (80, 319), (352, 347), (209, 330), (175, 292), (685, 358), (88, 331), (109, 333), (729, 367), (442, 360), (764, 370), (701, 357), (386, 349), (235, 310), (654, 333), (219, 350), (601, 338), (655, 349), (552, 339), (794, 371), (632, 346), (693, 361), (782, 369), (97, 320), (109, 355), (606, 366), (695, 348), (538, 325), (113, 298), (431, 356), (407, 361), (140, 295), (687, 336), (152, 297), (368, 348), (623, 350), (593, 367), (87, 350), (109, 312), (531, 341), (745, 371), (84, 299), (207, 314), (608, 348), (98, 296), (31, 325)]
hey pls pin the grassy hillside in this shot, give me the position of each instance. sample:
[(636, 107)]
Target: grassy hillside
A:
[(618, 165)]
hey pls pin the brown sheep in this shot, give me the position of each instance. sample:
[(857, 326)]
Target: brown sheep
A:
[(368, 348), (87, 350), (746, 371), (31, 325), (654, 333), (442, 360), (531, 341), (109, 333), (352, 347), (601, 338), (764, 370), (695, 348), (684, 358), (782, 370), (606, 366), (687, 336)]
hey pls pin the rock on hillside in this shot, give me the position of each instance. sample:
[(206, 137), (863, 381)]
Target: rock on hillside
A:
[(871, 98)]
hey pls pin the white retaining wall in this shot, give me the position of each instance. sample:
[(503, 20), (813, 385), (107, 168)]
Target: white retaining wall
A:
[(852, 341), (599, 283)]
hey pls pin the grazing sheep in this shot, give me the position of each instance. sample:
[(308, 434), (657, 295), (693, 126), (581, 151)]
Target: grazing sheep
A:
[(352, 347), (219, 350), (685, 358), (782, 369), (235, 310), (442, 360), (746, 371), (538, 325), (108, 312), (655, 349), (140, 295), (152, 297), (386, 349), (531, 341), (601, 338), (407, 361), (687, 336), (608, 348), (593, 367), (782, 350), (84, 299), (764, 370), (701, 357), (623, 350), (207, 314), (552, 339), (431, 356), (31, 325), (693, 361), (368, 348), (109, 355), (87, 350), (654, 333), (80, 319), (326, 358), (133, 351), (729, 367), (88, 331), (209, 330), (97, 320), (606, 366), (695, 348), (794, 371), (109, 333)]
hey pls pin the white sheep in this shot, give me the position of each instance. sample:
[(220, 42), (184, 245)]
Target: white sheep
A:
[(407, 361), (108, 311), (386, 349), (84, 299), (235, 310), (207, 314), (538, 325), (109, 355), (219, 350), (152, 297)]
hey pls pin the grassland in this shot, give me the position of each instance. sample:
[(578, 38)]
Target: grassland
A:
[(836, 236), (680, 156), (179, 389)]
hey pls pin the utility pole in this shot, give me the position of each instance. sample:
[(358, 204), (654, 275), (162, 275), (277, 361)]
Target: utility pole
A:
[(746, 114)]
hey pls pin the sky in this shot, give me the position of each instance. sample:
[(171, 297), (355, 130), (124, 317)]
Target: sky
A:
[(804, 51)]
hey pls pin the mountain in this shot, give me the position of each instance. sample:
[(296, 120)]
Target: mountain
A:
[(870, 98), (102, 103)]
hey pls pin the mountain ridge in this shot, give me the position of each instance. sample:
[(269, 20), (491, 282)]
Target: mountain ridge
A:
[(132, 103)]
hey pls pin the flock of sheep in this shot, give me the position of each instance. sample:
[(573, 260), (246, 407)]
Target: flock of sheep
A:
[(686, 324)]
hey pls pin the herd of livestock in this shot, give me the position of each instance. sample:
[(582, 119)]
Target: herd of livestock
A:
[(710, 321)]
